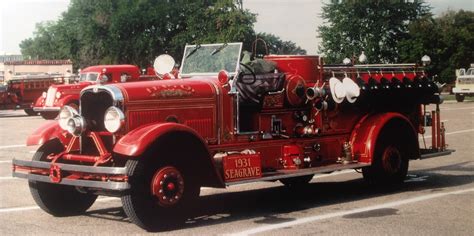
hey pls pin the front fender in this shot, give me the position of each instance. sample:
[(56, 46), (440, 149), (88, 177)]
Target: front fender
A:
[(366, 132), (48, 131), (137, 141), (66, 100)]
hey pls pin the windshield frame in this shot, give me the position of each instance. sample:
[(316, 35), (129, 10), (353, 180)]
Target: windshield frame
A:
[(191, 47)]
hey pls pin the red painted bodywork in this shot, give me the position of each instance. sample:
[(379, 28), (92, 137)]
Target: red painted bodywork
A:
[(275, 134), (48, 131), (20, 93), (365, 133), (70, 92)]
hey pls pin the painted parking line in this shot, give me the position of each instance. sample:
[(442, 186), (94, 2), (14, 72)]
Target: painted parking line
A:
[(458, 108), (315, 218), (29, 208), (7, 178), (12, 146)]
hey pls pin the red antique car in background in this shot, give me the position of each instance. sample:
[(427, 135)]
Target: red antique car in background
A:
[(50, 102), (21, 91)]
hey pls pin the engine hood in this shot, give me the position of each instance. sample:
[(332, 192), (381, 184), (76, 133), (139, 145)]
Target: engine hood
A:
[(172, 90), (65, 87)]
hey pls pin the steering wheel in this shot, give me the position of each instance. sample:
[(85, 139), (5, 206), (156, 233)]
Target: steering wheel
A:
[(241, 75)]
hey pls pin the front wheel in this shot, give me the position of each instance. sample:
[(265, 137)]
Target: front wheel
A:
[(56, 199), (390, 164), (30, 112), (49, 115), (160, 196), (459, 97)]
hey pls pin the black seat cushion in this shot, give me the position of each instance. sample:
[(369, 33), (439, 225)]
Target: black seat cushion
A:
[(252, 94)]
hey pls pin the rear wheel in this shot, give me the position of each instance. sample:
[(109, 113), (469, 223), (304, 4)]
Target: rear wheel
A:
[(161, 194), (49, 115), (297, 182), (390, 164), (459, 97), (56, 199)]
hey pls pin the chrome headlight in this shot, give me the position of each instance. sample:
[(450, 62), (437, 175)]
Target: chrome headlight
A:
[(113, 119), (58, 95), (76, 125), (44, 94), (65, 114)]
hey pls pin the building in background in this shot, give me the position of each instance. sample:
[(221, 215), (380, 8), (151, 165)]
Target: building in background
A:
[(14, 69), (7, 58)]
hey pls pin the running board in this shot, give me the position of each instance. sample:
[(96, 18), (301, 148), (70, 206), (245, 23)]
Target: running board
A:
[(283, 174), (432, 154)]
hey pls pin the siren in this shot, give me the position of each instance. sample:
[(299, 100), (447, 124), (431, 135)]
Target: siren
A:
[(338, 91), (351, 88)]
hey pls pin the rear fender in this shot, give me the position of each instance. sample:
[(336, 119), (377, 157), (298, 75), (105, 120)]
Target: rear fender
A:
[(48, 131), (366, 132), (137, 142)]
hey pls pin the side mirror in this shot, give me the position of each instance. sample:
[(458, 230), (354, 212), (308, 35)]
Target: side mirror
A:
[(163, 64)]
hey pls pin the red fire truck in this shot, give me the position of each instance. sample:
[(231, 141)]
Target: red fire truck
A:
[(225, 122), (50, 103), (21, 91)]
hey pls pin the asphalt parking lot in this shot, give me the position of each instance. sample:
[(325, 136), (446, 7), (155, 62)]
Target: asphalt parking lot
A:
[(436, 199)]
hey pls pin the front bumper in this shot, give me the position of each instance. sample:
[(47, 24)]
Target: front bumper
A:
[(46, 109), (97, 177)]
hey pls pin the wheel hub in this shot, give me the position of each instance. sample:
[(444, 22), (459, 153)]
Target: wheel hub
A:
[(391, 159), (167, 186)]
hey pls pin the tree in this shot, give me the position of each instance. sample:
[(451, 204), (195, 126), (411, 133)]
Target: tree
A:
[(374, 27), (277, 46), (448, 40), (125, 31)]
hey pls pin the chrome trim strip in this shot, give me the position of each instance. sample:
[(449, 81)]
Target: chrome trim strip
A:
[(119, 186), (69, 167), (115, 92)]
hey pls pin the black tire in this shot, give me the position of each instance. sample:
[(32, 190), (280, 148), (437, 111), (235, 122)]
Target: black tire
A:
[(56, 199), (459, 97), (30, 112), (390, 164), (49, 115), (144, 209), (297, 182)]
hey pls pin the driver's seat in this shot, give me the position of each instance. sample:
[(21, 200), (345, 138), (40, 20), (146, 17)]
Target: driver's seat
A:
[(252, 94)]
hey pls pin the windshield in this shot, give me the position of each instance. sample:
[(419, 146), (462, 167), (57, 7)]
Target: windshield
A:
[(209, 59), (89, 77)]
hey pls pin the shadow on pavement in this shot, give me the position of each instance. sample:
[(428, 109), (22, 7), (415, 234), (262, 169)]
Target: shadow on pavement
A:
[(268, 203)]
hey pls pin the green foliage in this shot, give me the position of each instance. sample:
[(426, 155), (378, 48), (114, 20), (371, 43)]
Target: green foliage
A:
[(448, 40), (128, 31), (374, 27), (278, 46)]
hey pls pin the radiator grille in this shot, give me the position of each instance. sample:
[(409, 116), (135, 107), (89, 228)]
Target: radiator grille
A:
[(50, 96)]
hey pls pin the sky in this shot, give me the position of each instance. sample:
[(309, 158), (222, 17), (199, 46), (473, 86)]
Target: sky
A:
[(295, 20)]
